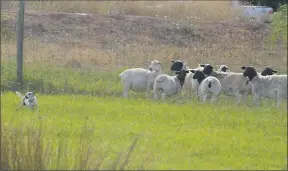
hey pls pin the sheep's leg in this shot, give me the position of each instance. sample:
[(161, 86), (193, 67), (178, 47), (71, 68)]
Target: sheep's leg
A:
[(147, 91), (237, 96), (278, 100), (197, 95), (214, 98), (183, 92), (204, 98), (256, 100), (125, 90), (156, 94), (244, 97), (190, 93), (163, 96)]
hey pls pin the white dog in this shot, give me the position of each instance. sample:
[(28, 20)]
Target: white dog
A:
[(28, 100)]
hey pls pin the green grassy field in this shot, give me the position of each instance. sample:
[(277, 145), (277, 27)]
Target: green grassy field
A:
[(83, 123), (74, 132)]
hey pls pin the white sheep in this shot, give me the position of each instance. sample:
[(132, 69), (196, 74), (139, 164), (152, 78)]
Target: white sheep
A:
[(139, 79), (207, 86), (273, 86), (169, 85)]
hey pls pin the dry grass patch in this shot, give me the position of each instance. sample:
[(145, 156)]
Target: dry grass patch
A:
[(185, 10)]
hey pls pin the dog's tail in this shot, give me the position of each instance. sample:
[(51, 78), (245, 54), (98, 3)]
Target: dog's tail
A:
[(19, 94)]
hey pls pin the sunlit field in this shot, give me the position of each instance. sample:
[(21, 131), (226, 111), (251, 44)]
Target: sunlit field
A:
[(73, 131), (182, 136), (73, 62)]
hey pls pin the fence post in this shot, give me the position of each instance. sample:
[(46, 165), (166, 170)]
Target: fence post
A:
[(20, 37)]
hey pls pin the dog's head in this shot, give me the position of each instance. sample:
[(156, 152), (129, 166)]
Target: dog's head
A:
[(30, 95)]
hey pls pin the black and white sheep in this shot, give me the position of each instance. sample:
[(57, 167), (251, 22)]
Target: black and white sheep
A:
[(190, 85), (273, 86), (233, 82), (208, 86), (169, 85), (223, 68)]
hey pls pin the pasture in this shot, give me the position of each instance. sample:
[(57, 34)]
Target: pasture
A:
[(73, 61), (73, 131), (187, 136)]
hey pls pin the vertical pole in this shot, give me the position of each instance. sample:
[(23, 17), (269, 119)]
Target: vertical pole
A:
[(20, 37)]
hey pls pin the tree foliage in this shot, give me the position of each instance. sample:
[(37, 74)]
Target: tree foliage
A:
[(279, 24), (275, 4)]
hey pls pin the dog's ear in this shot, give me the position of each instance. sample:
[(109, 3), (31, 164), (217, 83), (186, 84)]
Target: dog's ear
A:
[(243, 67)]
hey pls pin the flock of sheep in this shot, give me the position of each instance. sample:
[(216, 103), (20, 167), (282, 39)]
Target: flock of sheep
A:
[(205, 82)]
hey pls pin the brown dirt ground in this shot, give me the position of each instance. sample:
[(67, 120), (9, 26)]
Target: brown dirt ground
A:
[(131, 29), (113, 31)]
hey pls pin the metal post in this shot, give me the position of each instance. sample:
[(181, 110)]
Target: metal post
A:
[(20, 37)]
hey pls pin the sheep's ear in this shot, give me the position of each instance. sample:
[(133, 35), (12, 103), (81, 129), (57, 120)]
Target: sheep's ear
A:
[(159, 62), (202, 65), (274, 71), (172, 61), (187, 71), (192, 70), (243, 67)]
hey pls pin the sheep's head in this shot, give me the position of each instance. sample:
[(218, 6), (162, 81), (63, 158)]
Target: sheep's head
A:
[(223, 68), (268, 71), (155, 65), (249, 72), (208, 69), (178, 65), (198, 75), (181, 76)]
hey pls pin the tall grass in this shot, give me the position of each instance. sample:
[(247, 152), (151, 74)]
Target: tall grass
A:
[(27, 148)]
